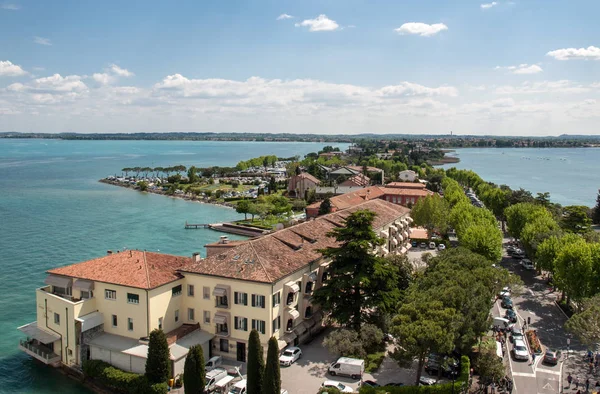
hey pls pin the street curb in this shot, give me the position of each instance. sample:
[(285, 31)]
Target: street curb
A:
[(560, 309)]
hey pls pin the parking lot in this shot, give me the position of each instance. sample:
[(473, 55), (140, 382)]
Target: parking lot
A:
[(415, 255), (307, 374)]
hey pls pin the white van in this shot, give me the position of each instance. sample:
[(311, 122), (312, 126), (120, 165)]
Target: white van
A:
[(212, 377), (503, 323), (352, 367), (239, 387), (213, 363), (222, 386)]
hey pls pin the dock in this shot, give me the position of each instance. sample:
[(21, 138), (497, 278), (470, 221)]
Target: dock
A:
[(195, 226), (230, 228)]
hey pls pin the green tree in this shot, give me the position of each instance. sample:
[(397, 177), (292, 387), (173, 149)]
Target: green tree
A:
[(576, 220), (244, 206), (143, 185), (596, 211), (543, 199), (192, 174), (422, 326), (490, 366), (536, 231), (193, 370), (518, 215), (431, 212), (586, 323), (255, 365), (574, 270), (371, 338), (272, 185), (485, 240), (344, 342), (272, 380), (360, 282), (158, 363), (325, 207)]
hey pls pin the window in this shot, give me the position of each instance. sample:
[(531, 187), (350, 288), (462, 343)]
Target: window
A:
[(114, 320), (62, 290), (309, 287), (240, 323), (86, 295), (222, 302), (258, 301), (206, 293), (258, 325), (206, 317), (224, 345), (130, 324), (110, 294), (308, 312), (190, 290), (240, 298), (277, 298), (133, 298), (290, 324), (191, 314), (160, 321), (176, 291), (222, 329), (56, 318), (277, 323), (290, 298), (176, 315)]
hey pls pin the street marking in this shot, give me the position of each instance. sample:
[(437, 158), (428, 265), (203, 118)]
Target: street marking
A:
[(524, 374), (548, 386), (549, 371)]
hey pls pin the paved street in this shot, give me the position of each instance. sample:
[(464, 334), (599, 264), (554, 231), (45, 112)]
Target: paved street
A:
[(537, 304)]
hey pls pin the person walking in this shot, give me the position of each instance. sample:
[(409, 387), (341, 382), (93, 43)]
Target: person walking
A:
[(587, 385), (532, 358), (576, 381), (569, 379)]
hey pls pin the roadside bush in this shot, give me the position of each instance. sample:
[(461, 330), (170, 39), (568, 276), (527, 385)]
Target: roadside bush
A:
[(329, 390), (120, 381), (344, 343), (373, 361), (94, 368)]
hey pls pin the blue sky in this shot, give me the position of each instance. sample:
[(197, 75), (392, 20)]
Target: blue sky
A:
[(522, 67)]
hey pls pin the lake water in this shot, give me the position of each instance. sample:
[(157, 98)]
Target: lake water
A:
[(53, 212), (571, 176)]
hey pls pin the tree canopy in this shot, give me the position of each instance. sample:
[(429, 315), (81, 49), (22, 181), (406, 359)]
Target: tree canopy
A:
[(272, 379), (193, 371), (158, 363), (431, 212), (256, 364)]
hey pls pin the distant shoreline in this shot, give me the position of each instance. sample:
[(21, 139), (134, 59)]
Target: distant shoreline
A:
[(185, 197)]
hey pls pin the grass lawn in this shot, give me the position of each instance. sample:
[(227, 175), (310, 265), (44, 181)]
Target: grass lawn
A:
[(373, 361)]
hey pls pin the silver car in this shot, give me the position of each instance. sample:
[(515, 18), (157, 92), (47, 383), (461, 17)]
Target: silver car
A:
[(520, 350)]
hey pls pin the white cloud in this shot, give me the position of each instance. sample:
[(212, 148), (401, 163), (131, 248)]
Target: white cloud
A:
[(284, 16), (8, 69), (121, 72), (488, 5), (522, 69), (42, 41), (421, 29), (55, 84), (413, 89), (561, 86), (103, 78), (591, 53), (10, 6), (320, 23)]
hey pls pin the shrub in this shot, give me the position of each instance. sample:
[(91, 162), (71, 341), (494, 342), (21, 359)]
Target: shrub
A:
[(534, 341), (94, 368), (373, 361), (158, 364), (120, 381), (371, 337), (344, 343), (329, 390)]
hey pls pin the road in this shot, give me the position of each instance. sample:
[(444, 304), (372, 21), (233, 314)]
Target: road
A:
[(536, 303)]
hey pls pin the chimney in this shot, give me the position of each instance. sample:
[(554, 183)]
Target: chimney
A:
[(223, 239), (196, 257), (109, 252)]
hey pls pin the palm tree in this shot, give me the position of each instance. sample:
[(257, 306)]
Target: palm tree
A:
[(126, 171)]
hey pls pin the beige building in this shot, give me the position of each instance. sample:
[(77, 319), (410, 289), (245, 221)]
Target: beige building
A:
[(105, 308)]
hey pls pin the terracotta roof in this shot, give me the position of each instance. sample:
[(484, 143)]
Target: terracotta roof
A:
[(308, 176), (357, 180), (274, 256), (406, 185), (406, 192), (369, 168), (351, 199), (228, 244), (419, 233), (133, 268)]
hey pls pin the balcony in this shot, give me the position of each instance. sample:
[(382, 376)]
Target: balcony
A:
[(39, 352)]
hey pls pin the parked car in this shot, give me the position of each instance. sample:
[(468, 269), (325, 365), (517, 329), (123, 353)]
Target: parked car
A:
[(551, 357), (432, 245), (239, 387), (506, 303), (414, 244), (213, 363), (441, 247), (425, 381), (505, 292), (448, 365), (502, 323), (516, 333), (213, 376), (510, 249), (511, 315), (423, 245), (527, 264), (370, 383), (289, 356), (338, 385), (520, 350), (518, 254), (395, 384)]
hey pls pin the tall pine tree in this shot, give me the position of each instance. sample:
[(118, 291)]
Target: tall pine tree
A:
[(255, 365), (193, 371), (360, 281), (596, 210), (272, 380), (158, 364)]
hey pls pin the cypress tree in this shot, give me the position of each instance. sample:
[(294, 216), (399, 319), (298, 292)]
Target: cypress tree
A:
[(255, 365), (193, 371), (272, 380), (596, 210), (158, 364)]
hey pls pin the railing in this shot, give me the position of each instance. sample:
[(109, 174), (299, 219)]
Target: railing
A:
[(40, 350)]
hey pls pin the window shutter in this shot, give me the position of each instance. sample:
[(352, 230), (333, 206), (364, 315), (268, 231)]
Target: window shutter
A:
[(245, 298), (253, 302), (235, 297), (253, 322), (263, 301), (235, 322)]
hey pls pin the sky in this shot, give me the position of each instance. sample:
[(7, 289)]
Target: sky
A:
[(522, 67)]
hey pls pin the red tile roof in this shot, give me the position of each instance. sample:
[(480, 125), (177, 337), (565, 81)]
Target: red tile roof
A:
[(274, 256), (132, 268), (357, 180), (392, 191), (406, 185)]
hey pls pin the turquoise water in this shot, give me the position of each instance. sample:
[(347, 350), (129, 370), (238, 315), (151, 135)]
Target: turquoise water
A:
[(54, 212), (571, 176)]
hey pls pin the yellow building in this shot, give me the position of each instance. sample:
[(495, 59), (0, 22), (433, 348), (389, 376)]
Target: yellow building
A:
[(105, 308)]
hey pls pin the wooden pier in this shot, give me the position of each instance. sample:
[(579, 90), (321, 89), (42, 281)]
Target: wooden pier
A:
[(195, 226)]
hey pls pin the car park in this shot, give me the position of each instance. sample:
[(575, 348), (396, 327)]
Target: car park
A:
[(370, 383), (506, 303), (551, 357), (414, 244), (338, 385), (511, 315), (520, 350), (289, 356)]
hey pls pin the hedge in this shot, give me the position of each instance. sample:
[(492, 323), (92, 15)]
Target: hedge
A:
[(461, 381), (121, 381)]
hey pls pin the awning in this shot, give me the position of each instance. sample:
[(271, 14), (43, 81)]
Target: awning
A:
[(395, 242), (405, 234), (294, 288), (281, 344), (410, 220), (294, 314), (58, 281), (300, 329), (384, 234), (405, 222), (85, 285), (403, 250), (312, 277), (219, 291), (286, 340), (385, 250), (90, 320), (220, 318), (400, 238), (33, 331), (408, 246)]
